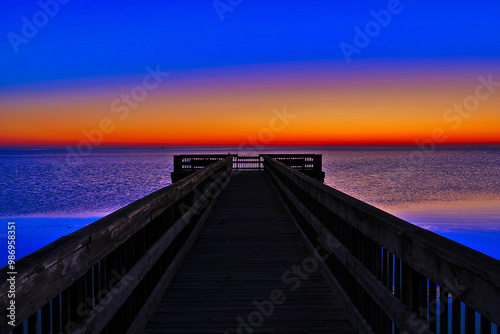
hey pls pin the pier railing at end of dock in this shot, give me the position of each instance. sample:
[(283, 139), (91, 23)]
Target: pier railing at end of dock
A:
[(309, 164)]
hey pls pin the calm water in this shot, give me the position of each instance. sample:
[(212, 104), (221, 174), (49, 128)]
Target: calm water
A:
[(452, 192)]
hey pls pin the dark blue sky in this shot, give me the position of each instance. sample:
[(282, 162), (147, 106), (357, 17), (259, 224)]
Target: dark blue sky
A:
[(88, 38)]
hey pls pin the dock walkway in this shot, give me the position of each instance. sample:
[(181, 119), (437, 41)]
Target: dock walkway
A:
[(234, 246), (241, 253)]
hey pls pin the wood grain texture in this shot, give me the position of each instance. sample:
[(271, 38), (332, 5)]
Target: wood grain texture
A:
[(240, 256), (44, 274), (443, 261), (374, 287)]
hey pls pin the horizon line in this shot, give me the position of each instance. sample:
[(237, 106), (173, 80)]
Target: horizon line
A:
[(255, 146)]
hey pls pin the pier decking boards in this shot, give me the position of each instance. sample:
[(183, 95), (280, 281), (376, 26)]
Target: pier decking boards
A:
[(244, 248)]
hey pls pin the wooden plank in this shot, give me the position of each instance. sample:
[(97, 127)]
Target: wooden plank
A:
[(443, 261), (354, 315), (371, 284), (96, 321), (148, 308), (49, 271), (128, 223)]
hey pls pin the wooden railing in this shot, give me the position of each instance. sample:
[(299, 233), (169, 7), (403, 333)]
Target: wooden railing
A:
[(247, 163), (195, 162), (391, 276), (108, 276), (309, 164)]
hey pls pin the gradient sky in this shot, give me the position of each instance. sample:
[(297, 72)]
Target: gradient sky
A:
[(227, 76)]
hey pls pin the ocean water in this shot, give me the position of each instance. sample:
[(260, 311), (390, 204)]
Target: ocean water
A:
[(453, 192)]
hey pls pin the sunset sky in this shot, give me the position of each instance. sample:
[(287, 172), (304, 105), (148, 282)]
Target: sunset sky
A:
[(232, 70)]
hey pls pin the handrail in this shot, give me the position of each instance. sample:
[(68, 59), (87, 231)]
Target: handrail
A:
[(309, 164), (102, 276), (386, 266), (195, 162)]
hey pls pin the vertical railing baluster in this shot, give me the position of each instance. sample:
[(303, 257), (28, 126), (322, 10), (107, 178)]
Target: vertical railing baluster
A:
[(397, 277), (64, 310), (33, 323), (75, 299), (131, 263), (357, 244), (390, 274), (56, 314), (415, 291), (45, 318), (455, 315), (432, 306), (89, 290), (470, 319), (378, 261), (384, 266), (362, 248), (375, 318), (443, 310), (367, 253), (422, 297), (96, 281), (406, 285), (19, 329), (103, 276), (485, 325)]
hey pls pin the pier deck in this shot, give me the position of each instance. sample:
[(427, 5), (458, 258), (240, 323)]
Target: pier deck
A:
[(241, 253), (252, 245)]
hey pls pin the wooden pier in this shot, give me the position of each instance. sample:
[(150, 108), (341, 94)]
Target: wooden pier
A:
[(243, 258), (253, 245)]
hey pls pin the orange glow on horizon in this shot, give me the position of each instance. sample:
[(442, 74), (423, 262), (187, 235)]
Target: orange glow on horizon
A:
[(385, 109)]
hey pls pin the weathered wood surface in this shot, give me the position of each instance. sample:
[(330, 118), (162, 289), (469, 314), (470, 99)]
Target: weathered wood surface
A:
[(96, 322), (384, 297), (240, 256), (49, 271), (468, 275)]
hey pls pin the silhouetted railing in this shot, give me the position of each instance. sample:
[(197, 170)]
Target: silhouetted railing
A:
[(391, 276), (195, 162), (108, 276), (247, 163), (309, 164)]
